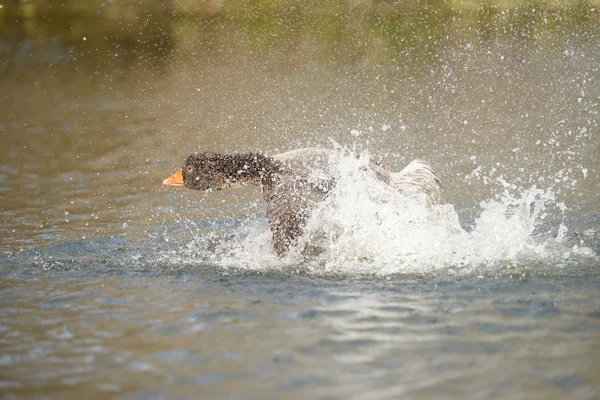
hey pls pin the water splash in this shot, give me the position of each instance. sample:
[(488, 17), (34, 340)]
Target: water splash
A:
[(366, 227)]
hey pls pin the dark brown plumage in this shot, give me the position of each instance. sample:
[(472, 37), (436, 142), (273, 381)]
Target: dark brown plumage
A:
[(293, 183)]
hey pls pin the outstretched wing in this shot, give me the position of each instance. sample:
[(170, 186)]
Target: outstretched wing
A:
[(304, 181), (287, 214), (289, 204)]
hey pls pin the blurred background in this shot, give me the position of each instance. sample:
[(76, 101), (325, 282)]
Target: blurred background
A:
[(100, 100)]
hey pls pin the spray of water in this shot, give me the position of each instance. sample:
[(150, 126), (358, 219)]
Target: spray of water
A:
[(367, 227)]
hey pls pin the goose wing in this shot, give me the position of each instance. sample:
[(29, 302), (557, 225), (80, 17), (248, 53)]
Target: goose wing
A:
[(289, 204), (304, 181)]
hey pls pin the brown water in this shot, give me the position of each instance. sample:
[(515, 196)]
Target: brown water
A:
[(112, 285)]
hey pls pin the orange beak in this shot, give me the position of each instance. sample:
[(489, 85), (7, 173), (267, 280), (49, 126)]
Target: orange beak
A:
[(174, 180)]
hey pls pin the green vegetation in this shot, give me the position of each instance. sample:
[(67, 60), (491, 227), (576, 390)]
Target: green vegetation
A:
[(329, 27)]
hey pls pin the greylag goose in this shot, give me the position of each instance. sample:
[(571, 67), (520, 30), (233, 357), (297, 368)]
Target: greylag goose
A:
[(294, 183)]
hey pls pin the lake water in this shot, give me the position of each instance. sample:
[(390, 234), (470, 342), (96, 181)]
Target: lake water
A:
[(112, 285)]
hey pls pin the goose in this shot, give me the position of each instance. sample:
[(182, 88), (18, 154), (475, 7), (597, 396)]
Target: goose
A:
[(294, 183)]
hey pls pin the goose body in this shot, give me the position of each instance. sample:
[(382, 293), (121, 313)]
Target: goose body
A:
[(295, 182)]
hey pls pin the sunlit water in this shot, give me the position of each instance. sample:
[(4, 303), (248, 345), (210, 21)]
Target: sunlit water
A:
[(113, 286)]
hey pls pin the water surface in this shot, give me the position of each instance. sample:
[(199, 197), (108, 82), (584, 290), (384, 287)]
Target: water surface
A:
[(113, 286)]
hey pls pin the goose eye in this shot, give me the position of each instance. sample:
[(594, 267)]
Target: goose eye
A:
[(189, 169)]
